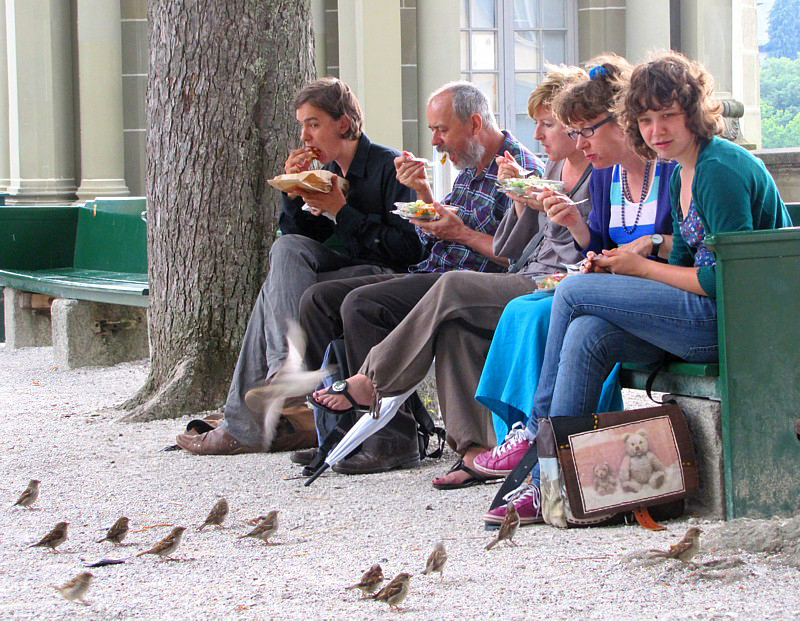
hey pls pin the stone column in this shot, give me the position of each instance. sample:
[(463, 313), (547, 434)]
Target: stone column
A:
[(369, 61), (438, 62), (318, 20), (722, 35), (100, 100), (647, 28), (601, 28), (5, 164), (40, 109)]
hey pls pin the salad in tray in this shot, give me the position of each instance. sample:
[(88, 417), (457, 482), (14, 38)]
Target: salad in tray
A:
[(419, 210), (519, 187), (549, 282)]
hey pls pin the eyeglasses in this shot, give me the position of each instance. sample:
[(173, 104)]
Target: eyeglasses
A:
[(588, 132)]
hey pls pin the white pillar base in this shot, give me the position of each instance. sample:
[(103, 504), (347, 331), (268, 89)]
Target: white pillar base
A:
[(92, 188)]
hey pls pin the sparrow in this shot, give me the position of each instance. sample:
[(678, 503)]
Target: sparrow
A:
[(218, 514), (508, 528), (74, 590), (29, 496), (117, 532), (54, 538), (370, 580), (395, 592), (436, 560), (265, 529), (167, 546), (291, 380), (685, 549)]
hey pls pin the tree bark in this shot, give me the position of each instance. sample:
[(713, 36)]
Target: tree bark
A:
[(219, 124)]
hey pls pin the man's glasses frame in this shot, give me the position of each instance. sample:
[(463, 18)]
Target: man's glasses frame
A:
[(588, 132)]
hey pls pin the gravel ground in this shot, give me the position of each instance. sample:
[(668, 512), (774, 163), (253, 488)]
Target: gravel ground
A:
[(63, 429)]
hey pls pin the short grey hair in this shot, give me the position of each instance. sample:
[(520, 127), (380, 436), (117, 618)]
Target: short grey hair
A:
[(467, 100)]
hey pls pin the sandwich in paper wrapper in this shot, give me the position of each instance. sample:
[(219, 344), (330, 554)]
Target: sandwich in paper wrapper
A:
[(308, 181)]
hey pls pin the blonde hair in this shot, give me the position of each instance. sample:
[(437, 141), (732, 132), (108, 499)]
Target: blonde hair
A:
[(557, 79)]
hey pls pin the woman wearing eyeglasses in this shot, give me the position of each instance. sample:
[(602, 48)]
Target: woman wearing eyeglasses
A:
[(631, 209), (643, 311)]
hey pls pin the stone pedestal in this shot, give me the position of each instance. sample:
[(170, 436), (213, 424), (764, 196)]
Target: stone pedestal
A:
[(94, 334), (704, 418), (27, 323)]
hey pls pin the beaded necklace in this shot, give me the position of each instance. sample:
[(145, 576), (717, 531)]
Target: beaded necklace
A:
[(626, 195)]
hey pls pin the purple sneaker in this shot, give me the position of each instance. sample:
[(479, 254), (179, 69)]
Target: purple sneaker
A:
[(501, 460), (528, 502)]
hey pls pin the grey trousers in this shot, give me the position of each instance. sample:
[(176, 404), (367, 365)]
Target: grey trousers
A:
[(296, 263), (452, 324)]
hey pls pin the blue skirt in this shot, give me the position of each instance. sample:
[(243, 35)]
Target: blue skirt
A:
[(511, 373)]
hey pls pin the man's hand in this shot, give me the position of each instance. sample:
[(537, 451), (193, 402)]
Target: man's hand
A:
[(449, 227), (411, 173), (623, 261), (325, 202), (507, 167), (299, 160)]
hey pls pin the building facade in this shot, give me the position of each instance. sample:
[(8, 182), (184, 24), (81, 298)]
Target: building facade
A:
[(73, 73)]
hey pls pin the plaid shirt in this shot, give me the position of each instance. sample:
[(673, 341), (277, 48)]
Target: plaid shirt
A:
[(481, 206)]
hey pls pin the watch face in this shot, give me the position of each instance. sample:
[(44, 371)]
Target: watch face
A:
[(657, 239), (339, 386)]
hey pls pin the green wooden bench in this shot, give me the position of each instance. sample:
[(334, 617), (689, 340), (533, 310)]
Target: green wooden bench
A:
[(95, 253), (750, 446)]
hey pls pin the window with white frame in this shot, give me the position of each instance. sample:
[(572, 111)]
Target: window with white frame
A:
[(505, 45)]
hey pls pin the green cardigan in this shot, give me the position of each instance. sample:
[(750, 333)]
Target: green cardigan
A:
[(732, 191)]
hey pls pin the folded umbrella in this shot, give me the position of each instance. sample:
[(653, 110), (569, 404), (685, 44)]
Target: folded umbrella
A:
[(364, 427)]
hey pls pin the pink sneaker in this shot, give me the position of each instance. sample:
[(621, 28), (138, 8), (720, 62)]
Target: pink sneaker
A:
[(501, 460), (526, 499)]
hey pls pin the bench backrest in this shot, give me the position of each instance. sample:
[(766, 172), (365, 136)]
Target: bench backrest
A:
[(37, 237), (794, 212), (112, 236), (759, 339)]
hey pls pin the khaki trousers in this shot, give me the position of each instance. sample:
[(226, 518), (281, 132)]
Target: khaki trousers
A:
[(452, 324)]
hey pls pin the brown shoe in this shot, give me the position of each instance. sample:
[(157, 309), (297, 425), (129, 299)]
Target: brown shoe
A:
[(296, 430), (303, 457), (216, 442)]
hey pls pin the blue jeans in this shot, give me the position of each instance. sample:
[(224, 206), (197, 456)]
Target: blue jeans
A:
[(600, 319)]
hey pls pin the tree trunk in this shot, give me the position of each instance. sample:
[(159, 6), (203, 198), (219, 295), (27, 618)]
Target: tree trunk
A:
[(219, 124)]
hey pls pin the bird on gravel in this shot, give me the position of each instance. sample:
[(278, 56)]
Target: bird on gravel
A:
[(54, 538), (29, 496), (508, 528), (168, 545), (74, 590), (436, 560), (265, 529), (117, 533), (685, 549), (291, 380), (370, 581), (217, 515), (395, 592)]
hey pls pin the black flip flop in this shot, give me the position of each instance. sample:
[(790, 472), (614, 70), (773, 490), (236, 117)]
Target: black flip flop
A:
[(357, 408), (476, 479)]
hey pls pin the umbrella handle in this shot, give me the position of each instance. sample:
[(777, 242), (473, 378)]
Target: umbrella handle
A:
[(315, 476)]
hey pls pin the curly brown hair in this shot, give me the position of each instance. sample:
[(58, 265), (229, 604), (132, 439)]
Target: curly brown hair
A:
[(608, 77), (657, 84), (558, 78), (335, 98)]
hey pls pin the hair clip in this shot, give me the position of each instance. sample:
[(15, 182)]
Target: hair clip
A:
[(596, 72)]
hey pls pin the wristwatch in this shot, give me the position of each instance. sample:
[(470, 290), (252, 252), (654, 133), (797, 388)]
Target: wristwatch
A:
[(656, 240)]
